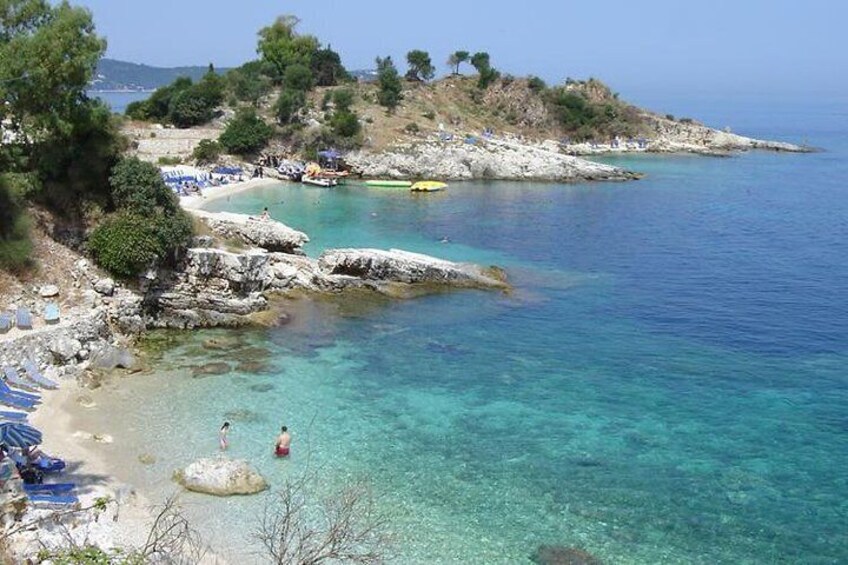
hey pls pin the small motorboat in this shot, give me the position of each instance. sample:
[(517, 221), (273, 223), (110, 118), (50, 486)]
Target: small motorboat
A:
[(428, 186), (319, 181), (388, 183)]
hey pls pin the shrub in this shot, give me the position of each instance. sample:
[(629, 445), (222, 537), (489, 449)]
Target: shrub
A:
[(390, 93), (15, 244), (429, 114), (669, 117), (411, 127), (165, 160), (297, 77), (189, 108), (138, 186), (124, 244), (249, 82), (288, 105), (343, 99), (536, 84), (207, 151), (345, 123), (128, 242), (245, 133)]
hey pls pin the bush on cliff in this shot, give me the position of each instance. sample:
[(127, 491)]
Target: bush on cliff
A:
[(207, 151), (15, 244), (246, 133), (138, 186), (388, 79)]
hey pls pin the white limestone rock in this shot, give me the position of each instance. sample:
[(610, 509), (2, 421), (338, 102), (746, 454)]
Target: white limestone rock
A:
[(221, 477)]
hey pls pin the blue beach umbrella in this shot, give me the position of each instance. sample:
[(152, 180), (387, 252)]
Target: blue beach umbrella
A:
[(18, 434)]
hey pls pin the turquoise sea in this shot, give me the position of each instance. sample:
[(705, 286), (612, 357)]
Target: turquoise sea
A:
[(666, 384)]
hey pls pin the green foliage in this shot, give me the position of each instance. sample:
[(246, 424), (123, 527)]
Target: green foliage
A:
[(457, 58), (669, 117), (420, 65), (246, 133), (124, 244), (288, 105), (249, 82), (182, 102), (207, 151), (429, 114), (297, 77), (15, 244), (487, 74), (411, 127), (343, 99), (536, 84), (584, 119), (138, 186), (345, 123), (280, 46), (390, 93), (158, 106), (327, 68), (175, 160)]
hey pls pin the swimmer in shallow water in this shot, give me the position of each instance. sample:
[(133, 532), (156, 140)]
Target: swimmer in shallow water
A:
[(281, 449), (222, 436)]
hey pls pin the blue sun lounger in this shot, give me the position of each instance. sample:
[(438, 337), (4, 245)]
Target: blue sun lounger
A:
[(45, 464), (51, 313), (16, 402), (35, 375), (23, 319), (11, 376), (47, 499), (55, 488), (9, 392), (9, 416), (5, 322)]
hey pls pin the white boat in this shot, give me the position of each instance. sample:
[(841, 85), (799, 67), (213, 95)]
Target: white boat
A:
[(319, 181)]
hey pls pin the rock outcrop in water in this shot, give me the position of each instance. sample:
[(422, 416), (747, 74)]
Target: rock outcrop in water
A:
[(269, 235), (213, 287), (221, 477)]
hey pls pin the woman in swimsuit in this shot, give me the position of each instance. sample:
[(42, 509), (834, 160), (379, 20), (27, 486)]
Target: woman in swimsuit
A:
[(222, 436)]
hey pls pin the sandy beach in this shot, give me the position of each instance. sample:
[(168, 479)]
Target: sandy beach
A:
[(216, 192)]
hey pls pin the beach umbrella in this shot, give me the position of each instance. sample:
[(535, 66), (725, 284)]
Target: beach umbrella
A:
[(18, 434)]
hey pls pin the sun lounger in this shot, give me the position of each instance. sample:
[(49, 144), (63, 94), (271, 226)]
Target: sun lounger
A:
[(12, 377), (5, 322), (55, 488), (46, 499), (23, 319), (51, 313), (8, 391), (9, 416), (15, 402), (35, 375)]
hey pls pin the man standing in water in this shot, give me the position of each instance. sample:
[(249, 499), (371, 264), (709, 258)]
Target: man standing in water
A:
[(283, 443)]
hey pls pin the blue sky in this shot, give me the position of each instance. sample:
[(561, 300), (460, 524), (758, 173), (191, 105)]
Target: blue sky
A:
[(678, 46)]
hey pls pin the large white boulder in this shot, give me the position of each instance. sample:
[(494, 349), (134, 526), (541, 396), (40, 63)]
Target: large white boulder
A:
[(265, 234), (221, 476)]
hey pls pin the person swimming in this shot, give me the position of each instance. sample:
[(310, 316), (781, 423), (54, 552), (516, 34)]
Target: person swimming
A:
[(222, 436), (281, 449)]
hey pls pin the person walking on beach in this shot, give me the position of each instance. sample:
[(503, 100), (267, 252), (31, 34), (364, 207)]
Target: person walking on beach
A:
[(222, 436), (283, 443)]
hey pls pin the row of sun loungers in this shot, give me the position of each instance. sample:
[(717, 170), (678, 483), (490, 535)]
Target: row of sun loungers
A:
[(24, 396), (22, 318)]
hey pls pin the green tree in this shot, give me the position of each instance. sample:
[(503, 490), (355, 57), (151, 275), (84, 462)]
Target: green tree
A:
[(246, 133), (207, 151), (388, 80), (288, 105), (249, 82), (457, 58), (345, 123), (487, 74), (297, 77), (327, 68), (420, 65), (281, 46)]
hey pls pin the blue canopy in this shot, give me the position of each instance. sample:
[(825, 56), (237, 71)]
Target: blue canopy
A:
[(221, 170), (329, 154), (18, 434)]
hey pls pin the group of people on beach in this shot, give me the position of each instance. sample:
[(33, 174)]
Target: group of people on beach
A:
[(281, 448)]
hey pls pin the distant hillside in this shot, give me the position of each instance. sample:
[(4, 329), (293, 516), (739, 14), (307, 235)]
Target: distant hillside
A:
[(121, 75)]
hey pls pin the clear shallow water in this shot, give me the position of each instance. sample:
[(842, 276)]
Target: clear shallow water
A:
[(666, 385)]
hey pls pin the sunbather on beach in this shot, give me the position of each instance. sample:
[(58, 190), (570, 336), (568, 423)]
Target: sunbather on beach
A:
[(281, 449)]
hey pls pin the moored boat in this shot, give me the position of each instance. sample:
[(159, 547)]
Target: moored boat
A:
[(388, 183), (428, 186)]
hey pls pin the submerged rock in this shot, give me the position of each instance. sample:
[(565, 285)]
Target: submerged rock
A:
[(221, 477), (261, 387), (559, 555), (218, 368)]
